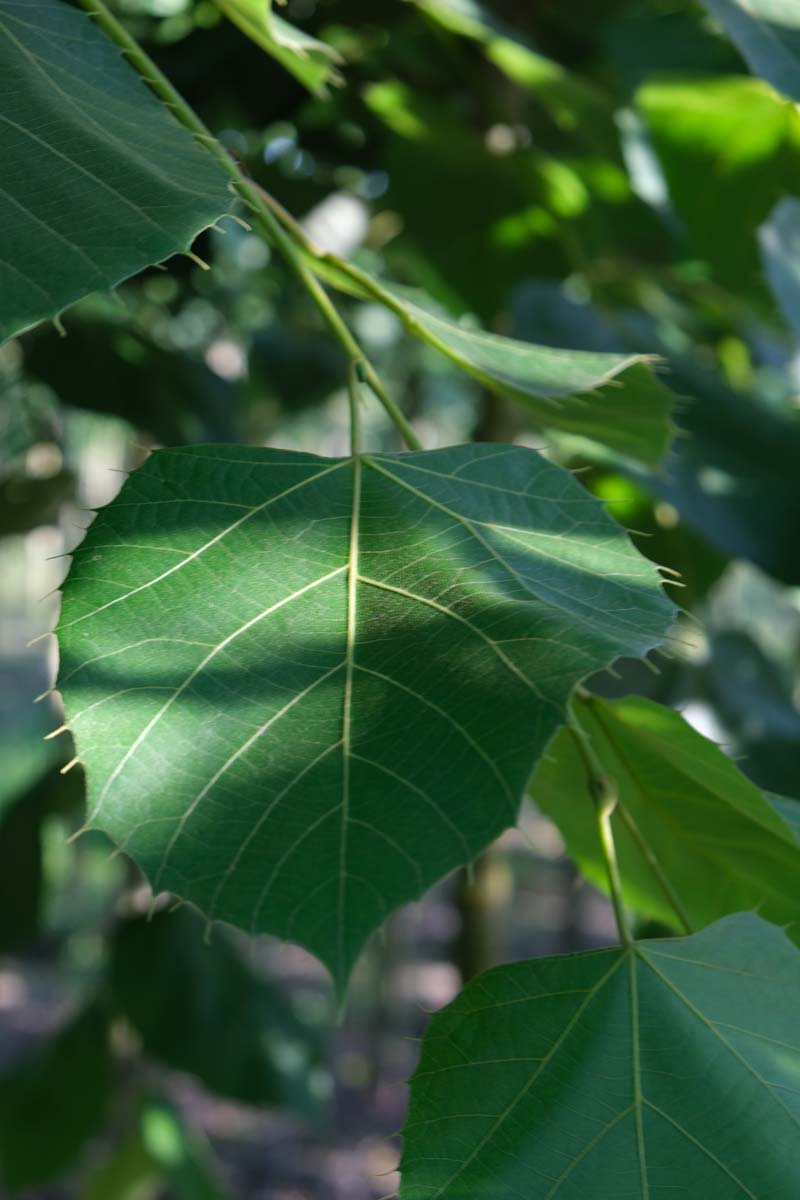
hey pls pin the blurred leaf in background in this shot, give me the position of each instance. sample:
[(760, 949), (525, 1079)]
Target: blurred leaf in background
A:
[(199, 1006), (53, 1102), (768, 34), (729, 148)]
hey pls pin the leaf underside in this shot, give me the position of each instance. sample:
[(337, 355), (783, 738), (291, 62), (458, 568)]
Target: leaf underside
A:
[(718, 842), (98, 179), (612, 399), (305, 689), (668, 1068)]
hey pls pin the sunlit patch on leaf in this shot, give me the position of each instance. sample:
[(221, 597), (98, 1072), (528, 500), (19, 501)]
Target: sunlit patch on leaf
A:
[(299, 756)]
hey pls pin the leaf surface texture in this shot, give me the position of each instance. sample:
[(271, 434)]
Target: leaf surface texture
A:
[(682, 804), (99, 180), (670, 1067), (304, 689)]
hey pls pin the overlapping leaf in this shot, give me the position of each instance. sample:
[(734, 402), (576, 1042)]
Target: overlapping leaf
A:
[(613, 399), (99, 180), (668, 1067), (686, 815), (732, 475), (304, 689)]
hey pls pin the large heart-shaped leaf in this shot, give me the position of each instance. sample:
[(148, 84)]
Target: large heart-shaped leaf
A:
[(304, 689), (99, 180), (667, 1068), (692, 832), (767, 32)]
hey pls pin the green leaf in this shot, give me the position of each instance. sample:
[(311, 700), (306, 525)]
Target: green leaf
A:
[(729, 149), (21, 863), (568, 98), (712, 834), (628, 1072), (99, 180), (732, 471), (749, 676), (200, 1008), (305, 689), (767, 33), (504, 225), (182, 1155), (733, 475), (311, 61), (612, 399), (63, 1090), (642, 41), (466, 17), (128, 1174)]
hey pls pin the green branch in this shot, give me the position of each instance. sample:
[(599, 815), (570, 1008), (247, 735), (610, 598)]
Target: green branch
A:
[(253, 197), (364, 283)]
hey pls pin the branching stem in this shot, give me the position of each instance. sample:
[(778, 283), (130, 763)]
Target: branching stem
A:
[(267, 220), (350, 278)]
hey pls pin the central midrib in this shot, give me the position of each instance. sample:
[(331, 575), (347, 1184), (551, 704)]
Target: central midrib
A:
[(352, 594)]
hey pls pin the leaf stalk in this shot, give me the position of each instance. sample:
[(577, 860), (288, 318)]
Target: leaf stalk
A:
[(605, 794)]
